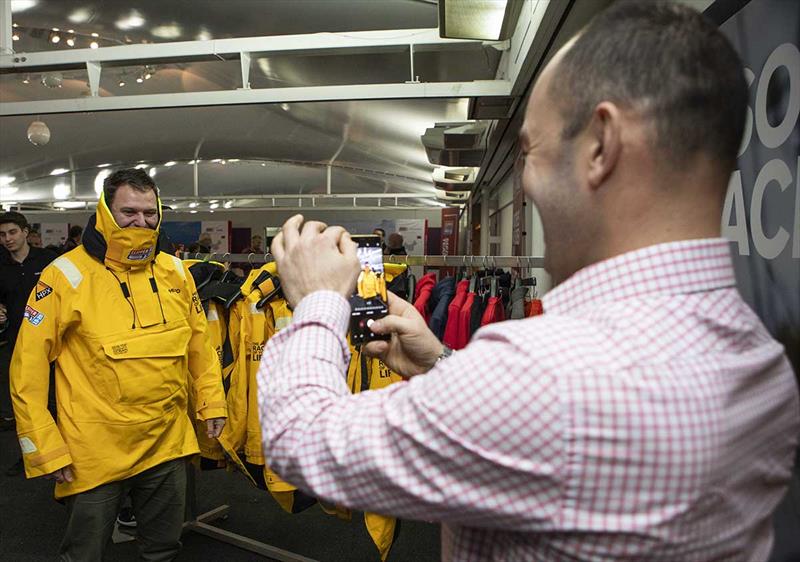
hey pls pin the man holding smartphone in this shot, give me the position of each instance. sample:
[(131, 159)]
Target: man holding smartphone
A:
[(646, 415)]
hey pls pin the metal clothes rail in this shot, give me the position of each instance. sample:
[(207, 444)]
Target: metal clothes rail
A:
[(427, 261)]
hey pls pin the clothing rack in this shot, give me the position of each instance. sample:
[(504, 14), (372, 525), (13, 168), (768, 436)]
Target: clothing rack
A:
[(201, 523), (427, 261)]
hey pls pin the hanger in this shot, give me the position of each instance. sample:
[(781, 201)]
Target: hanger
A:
[(493, 282)]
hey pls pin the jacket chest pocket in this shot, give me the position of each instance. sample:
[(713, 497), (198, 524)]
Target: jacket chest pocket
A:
[(151, 367)]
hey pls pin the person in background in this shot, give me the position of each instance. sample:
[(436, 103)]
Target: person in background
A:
[(256, 245), (34, 239), (205, 243), (21, 266), (395, 246), (123, 324), (74, 240), (647, 415), (381, 233)]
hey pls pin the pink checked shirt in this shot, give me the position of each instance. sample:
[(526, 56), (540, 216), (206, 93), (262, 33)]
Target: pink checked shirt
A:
[(646, 416)]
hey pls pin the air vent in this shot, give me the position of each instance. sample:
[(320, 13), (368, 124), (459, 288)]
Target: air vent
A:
[(455, 179), (456, 144)]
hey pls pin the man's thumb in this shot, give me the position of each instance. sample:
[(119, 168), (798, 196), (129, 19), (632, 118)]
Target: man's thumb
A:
[(390, 325), (67, 473)]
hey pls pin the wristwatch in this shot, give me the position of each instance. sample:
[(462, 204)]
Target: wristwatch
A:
[(446, 352)]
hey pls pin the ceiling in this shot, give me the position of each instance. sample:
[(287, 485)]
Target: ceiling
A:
[(371, 147)]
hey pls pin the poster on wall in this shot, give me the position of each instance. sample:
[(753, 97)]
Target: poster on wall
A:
[(761, 215), (220, 234), (413, 233), (54, 233), (182, 233)]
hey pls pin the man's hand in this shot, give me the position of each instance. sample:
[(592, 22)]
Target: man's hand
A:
[(316, 258), (61, 475), (214, 427), (413, 349)]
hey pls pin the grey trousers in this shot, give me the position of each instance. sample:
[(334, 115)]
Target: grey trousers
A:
[(159, 503)]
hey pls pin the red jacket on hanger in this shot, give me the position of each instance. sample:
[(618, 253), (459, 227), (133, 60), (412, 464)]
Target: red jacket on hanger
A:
[(422, 294), (464, 315), (536, 308), (453, 310), (495, 312)]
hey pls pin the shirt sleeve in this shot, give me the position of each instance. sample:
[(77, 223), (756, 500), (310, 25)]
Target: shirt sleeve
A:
[(204, 366), (477, 441), (47, 315)]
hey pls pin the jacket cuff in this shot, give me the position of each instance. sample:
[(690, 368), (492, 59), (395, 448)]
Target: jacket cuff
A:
[(212, 410), (43, 451)]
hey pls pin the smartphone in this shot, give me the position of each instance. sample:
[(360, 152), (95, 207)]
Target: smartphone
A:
[(369, 302)]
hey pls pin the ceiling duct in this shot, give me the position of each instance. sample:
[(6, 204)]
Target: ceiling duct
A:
[(452, 197), (456, 144), (455, 179), (490, 20)]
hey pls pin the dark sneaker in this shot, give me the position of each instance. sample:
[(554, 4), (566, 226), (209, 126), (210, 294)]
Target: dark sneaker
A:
[(126, 518), (16, 469)]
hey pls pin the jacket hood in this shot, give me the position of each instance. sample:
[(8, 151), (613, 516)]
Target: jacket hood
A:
[(120, 248)]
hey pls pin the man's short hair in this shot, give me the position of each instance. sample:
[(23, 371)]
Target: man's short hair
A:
[(75, 230), (16, 218), (137, 178), (395, 240), (382, 231), (666, 60)]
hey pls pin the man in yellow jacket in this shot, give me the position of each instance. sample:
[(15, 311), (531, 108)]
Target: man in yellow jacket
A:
[(126, 331)]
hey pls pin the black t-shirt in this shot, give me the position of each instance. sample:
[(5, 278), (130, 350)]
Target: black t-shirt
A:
[(17, 280)]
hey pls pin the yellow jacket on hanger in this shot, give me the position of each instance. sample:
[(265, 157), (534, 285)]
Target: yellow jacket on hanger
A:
[(125, 328)]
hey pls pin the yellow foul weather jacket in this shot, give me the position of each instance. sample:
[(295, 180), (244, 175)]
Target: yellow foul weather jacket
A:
[(125, 328)]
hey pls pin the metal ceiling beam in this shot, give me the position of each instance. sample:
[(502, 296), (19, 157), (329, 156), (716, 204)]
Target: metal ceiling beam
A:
[(265, 95), (225, 49)]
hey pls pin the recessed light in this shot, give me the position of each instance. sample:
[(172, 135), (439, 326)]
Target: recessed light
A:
[(58, 171), (93, 45), (170, 163)]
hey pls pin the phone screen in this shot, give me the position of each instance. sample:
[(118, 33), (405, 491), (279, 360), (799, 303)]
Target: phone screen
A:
[(369, 302)]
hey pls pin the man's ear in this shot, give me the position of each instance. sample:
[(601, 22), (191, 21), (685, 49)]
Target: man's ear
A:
[(605, 133)]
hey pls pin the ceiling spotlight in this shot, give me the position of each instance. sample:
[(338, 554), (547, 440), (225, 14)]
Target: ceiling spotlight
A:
[(140, 166), (233, 160), (139, 80), (93, 45), (99, 180), (14, 25), (6, 180), (95, 35), (147, 76), (213, 200), (228, 204), (214, 206), (59, 171), (55, 37), (121, 83), (153, 172), (192, 211), (192, 204), (71, 41), (285, 106), (70, 31), (56, 29), (22, 5), (15, 36), (39, 133), (103, 165), (61, 191), (27, 79), (170, 163)]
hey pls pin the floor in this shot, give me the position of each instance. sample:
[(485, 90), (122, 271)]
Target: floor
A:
[(31, 524)]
